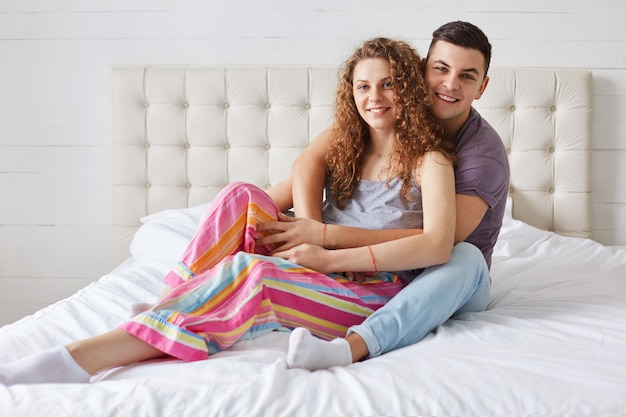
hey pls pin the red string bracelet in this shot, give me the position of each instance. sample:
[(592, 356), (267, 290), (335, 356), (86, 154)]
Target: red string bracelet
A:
[(324, 236), (373, 259)]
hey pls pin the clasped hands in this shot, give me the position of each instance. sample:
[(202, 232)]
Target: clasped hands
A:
[(297, 240), (300, 241)]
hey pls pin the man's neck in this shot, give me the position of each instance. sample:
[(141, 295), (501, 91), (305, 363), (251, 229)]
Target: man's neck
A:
[(453, 127)]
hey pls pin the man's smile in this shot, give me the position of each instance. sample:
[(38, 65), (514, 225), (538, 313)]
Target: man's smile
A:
[(447, 98)]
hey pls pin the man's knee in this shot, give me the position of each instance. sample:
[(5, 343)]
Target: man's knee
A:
[(466, 250), (468, 256)]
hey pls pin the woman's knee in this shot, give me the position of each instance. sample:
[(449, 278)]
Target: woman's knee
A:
[(240, 186)]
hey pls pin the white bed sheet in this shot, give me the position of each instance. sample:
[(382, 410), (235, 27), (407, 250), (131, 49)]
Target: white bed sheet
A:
[(552, 342)]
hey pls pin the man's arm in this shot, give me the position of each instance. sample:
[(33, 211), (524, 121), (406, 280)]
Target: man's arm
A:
[(470, 210), (308, 173), (303, 190), (281, 194)]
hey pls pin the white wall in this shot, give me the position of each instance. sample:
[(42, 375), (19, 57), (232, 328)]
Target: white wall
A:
[(55, 118)]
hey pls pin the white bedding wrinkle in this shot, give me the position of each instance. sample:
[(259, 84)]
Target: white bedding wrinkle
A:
[(551, 342)]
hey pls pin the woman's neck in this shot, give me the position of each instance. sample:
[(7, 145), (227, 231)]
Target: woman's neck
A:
[(381, 144)]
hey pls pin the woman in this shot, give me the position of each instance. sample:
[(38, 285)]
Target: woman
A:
[(388, 146)]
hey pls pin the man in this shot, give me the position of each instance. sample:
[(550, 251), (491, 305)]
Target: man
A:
[(456, 75)]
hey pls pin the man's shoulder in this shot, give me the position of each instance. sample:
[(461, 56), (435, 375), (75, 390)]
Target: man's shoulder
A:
[(478, 137), (478, 128)]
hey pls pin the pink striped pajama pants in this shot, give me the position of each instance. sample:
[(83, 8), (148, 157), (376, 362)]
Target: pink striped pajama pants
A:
[(225, 287)]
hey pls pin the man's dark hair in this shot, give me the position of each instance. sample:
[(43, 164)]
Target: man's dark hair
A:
[(466, 35)]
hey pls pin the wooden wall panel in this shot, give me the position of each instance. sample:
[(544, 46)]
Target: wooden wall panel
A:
[(55, 118)]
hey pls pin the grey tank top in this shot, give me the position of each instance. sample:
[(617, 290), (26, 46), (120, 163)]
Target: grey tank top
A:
[(378, 205)]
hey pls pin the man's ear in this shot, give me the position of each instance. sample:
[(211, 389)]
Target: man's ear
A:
[(481, 90)]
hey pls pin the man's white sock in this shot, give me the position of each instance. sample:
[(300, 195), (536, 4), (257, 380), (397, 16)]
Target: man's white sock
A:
[(308, 352), (55, 365)]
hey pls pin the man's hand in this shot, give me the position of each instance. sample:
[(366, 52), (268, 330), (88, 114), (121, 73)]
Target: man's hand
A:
[(288, 232), (355, 276)]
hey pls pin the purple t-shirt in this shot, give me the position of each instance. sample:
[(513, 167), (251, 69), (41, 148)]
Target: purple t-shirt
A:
[(483, 170)]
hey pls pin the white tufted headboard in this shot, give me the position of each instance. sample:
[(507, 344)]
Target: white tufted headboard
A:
[(181, 134)]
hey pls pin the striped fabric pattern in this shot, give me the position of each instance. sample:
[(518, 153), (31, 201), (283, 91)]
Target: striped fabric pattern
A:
[(215, 302), (228, 227)]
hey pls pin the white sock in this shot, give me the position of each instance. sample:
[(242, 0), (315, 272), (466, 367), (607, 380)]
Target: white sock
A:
[(54, 365), (308, 352)]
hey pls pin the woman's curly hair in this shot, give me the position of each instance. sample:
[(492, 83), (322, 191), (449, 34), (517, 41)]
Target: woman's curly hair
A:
[(417, 129)]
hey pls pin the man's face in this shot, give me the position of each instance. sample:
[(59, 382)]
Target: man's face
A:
[(455, 77)]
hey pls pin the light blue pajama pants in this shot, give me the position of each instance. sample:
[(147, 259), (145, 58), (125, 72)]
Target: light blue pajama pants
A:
[(461, 285)]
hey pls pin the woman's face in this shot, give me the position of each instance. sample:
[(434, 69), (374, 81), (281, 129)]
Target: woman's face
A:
[(373, 93)]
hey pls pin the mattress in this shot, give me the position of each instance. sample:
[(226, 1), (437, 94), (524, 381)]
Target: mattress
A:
[(552, 342)]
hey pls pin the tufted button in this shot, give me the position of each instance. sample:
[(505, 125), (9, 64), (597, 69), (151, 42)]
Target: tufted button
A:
[(551, 190), (511, 189), (268, 186), (307, 106), (551, 150), (186, 145), (187, 186), (553, 108), (146, 145), (146, 104), (268, 105), (148, 185), (186, 105), (226, 146), (511, 108), (508, 151), (267, 146), (226, 105)]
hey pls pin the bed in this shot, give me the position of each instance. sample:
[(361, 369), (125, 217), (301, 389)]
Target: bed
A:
[(552, 341)]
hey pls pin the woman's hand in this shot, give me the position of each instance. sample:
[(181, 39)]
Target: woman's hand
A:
[(307, 255), (317, 259), (289, 232)]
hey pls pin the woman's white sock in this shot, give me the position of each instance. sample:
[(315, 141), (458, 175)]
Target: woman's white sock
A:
[(308, 352), (54, 365)]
